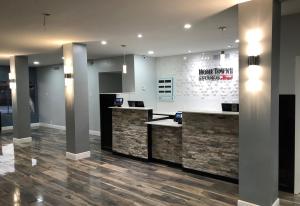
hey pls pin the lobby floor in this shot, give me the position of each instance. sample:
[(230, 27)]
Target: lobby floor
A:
[(39, 174)]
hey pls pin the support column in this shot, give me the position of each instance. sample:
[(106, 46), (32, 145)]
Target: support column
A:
[(19, 84), (258, 164), (76, 100)]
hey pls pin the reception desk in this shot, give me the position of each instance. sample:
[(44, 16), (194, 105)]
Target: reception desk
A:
[(210, 142), (129, 131), (166, 136), (206, 142)]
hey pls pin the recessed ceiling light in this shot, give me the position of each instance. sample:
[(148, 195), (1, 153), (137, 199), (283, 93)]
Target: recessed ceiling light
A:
[(62, 58), (187, 26), (36, 63), (189, 51), (237, 41), (103, 42), (184, 58), (150, 52), (140, 35)]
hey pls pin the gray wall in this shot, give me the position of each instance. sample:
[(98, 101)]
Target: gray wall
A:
[(145, 82), (290, 48), (258, 132), (51, 95), (51, 88), (110, 82)]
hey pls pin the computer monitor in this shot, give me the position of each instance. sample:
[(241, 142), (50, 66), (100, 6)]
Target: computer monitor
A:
[(139, 104), (118, 102), (229, 107), (136, 104), (131, 103)]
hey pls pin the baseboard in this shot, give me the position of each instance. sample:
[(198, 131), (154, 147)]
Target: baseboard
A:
[(22, 140), (59, 127), (7, 128), (53, 126), (94, 132), (244, 203), (78, 156)]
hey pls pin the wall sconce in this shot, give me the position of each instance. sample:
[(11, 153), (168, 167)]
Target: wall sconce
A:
[(254, 84), (253, 60), (12, 81), (254, 50), (68, 79)]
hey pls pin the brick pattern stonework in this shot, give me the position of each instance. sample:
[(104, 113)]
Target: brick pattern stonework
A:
[(130, 136), (167, 143), (210, 143)]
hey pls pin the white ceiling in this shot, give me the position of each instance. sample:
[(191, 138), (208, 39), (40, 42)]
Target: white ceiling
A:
[(117, 21)]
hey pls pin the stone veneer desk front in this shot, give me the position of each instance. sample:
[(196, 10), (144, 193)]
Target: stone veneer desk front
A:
[(210, 142), (166, 140), (129, 131)]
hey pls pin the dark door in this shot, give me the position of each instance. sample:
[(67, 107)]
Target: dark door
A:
[(286, 142), (106, 101)]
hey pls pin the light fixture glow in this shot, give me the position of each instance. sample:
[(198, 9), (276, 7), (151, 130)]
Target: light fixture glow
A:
[(12, 81), (241, 1), (229, 46), (189, 51), (68, 72), (237, 41), (222, 59), (103, 42), (124, 69), (254, 85), (187, 26), (140, 36), (254, 72), (184, 58), (150, 52), (62, 58), (36, 63)]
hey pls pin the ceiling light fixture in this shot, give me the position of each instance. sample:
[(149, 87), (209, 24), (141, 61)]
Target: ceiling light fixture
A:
[(229, 46), (150, 52), (124, 69), (140, 36), (62, 58), (222, 58), (189, 51), (237, 41), (187, 26), (103, 42), (36, 63)]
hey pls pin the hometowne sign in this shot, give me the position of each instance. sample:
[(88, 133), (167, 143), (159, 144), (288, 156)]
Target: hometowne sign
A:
[(216, 74)]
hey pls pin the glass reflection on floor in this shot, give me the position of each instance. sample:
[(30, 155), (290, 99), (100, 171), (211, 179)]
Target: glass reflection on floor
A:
[(16, 156)]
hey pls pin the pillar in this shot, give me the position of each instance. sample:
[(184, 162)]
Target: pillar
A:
[(76, 101), (19, 84), (258, 164)]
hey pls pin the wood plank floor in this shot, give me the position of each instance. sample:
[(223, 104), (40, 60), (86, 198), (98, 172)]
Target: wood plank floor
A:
[(39, 174)]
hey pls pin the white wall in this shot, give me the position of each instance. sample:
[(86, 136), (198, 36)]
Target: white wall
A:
[(192, 94), (290, 48)]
